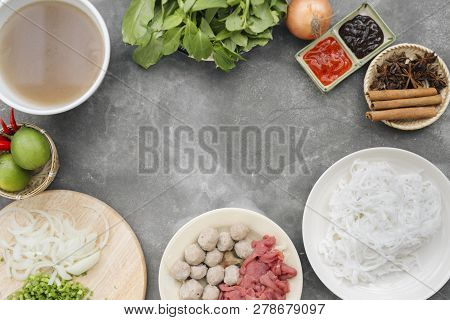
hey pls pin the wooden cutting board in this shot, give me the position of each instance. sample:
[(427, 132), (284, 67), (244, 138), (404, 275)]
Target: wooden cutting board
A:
[(120, 274)]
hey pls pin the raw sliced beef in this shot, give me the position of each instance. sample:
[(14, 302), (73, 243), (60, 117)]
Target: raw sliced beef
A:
[(263, 275)]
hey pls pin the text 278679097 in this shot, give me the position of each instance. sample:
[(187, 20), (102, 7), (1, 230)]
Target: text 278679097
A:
[(288, 308)]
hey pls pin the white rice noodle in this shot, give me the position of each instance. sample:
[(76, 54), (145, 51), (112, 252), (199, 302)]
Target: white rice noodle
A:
[(49, 241), (381, 219)]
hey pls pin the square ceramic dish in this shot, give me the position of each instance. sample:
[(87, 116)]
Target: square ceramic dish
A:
[(364, 10)]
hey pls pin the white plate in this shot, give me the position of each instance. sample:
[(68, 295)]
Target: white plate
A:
[(434, 257), (224, 218)]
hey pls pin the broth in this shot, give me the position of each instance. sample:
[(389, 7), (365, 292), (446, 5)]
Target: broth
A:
[(52, 53)]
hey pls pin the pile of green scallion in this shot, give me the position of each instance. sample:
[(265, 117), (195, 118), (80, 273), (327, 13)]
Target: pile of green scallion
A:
[(37, 287)]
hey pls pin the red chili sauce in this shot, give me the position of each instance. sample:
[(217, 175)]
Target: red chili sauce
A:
[(327, 60)]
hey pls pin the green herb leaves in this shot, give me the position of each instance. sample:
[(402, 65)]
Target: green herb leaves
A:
[(209, 4), (196, 42), (206, 29), (149, 54), (235, 21), (171, 22), (171, 41), (136, 19)]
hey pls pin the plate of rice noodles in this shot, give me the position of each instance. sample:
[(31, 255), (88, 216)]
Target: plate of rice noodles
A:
[(376, 226)]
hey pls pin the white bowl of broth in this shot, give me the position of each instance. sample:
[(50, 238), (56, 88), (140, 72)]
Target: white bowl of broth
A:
[(54, 54)]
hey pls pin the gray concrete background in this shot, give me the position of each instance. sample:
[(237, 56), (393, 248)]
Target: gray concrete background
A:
[(98, 142)]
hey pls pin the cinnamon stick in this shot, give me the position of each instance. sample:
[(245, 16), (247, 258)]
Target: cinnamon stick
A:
[(402, 114), (411, 102), (383, 95)]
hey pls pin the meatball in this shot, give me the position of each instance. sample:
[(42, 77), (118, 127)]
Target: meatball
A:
[(191, 290), (213, 258), (210, 293), (231, 275), (180, 270), (198, 272), (225, 243), (208, 239), (243, 249), (215, 275), (194, 255), (239, 231)]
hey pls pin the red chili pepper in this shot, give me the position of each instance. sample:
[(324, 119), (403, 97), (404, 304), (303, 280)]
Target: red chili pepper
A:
[(12, 121), (5, 145), (6, 130), (3, 138)]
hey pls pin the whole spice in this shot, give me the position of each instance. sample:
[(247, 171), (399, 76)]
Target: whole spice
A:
[(402, 114), (5, 145), (12, 120), (385, 95), (405, 104), (36, 287), (5, 128), (410, 102), (400, 72)]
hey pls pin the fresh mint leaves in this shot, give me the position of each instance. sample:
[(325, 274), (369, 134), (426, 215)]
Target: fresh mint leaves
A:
[(217, 29)]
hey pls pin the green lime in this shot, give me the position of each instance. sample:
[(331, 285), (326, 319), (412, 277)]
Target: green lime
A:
[(30, 148), (12, 177)]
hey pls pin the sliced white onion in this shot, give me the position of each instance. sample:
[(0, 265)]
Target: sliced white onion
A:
[(52, 278), (84, 265), (50, 241)]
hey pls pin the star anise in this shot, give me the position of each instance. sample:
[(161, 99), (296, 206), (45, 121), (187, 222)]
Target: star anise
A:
[(396, 62), (421, 62), (437, 81), (383, 72), (400, 72), (408, 74), (397, 57)]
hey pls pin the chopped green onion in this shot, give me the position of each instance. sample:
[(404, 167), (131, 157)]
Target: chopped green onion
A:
[(36, 287)]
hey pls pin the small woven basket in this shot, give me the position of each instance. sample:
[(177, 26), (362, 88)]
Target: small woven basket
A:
[(410, 50), (41, 178)]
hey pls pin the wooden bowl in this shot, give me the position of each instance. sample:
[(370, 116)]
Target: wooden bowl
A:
[(410, 50), (42, 177)]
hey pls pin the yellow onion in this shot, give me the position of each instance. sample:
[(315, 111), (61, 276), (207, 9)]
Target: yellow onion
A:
[(308, 19)]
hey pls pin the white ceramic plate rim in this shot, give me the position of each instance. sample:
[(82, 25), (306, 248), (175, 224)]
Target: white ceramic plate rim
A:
[(317, 262), (290, 246)]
